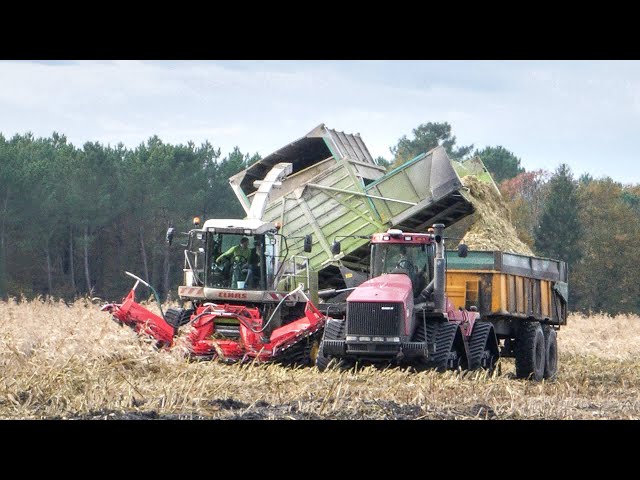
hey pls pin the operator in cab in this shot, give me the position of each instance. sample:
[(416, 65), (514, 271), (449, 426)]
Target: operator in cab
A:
[(238, 256), (404, 261), (241, 250)]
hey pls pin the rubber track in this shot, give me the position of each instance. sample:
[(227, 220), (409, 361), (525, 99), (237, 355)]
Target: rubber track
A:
[(333, 330), (300, 352), (478, 343), (176, 317), (418, 335), (444, 335)]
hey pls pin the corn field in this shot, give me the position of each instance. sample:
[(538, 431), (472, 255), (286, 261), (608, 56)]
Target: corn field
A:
[(70, 361)]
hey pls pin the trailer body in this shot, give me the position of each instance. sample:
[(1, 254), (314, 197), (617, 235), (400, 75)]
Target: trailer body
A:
[(507, 288)]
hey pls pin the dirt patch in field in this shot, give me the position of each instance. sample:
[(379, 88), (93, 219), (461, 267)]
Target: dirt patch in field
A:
[(303, 410), (231, 409)]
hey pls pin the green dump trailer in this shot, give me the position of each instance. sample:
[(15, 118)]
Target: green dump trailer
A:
[(337, 192)]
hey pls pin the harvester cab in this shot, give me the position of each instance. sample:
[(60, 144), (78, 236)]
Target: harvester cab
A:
[(231, 255), (242, 259)]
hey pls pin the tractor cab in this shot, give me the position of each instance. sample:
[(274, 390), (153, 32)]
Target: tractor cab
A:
[(411, 254)]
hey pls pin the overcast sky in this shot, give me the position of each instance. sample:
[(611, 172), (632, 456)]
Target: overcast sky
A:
[(583, 113)]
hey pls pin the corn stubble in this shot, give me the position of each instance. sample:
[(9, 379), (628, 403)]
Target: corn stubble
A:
[(72, 361)]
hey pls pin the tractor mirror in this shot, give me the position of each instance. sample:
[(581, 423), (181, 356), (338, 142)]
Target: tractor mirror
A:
[(463, 250), (308, 242), (335, 247)]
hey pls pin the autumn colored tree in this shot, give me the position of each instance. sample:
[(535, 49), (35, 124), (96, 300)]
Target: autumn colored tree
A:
[(525, 196), (607, 277)]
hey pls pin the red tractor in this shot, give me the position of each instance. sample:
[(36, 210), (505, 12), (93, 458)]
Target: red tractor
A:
[(401, 314)]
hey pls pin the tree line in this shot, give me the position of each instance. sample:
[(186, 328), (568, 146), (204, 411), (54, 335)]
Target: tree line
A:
[(72, 220)]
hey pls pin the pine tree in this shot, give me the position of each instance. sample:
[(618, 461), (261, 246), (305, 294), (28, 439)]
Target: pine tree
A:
[(426, 137), (559, 231), (502, 163)]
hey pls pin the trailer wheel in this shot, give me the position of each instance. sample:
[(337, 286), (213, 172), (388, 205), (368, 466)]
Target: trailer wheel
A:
[(551, 353), (530, 351)]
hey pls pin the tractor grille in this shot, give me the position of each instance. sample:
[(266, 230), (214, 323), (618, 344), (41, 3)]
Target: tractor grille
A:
[(372, 318)]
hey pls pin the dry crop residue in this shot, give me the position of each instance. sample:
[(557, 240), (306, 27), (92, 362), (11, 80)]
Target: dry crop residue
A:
[(71, 361), (491, 227)]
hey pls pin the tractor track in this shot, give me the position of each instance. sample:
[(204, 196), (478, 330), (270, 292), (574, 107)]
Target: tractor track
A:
[(479, 348), (300, 353), (443, 335)]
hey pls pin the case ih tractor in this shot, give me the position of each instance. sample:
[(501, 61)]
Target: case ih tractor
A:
[(424, 307), (401, 314)]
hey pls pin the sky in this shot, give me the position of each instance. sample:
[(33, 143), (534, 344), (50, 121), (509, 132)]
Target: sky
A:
[(582, 113)]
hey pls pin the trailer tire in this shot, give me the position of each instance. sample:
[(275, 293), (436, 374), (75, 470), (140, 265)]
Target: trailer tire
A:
[(551, 353), (530, 351)]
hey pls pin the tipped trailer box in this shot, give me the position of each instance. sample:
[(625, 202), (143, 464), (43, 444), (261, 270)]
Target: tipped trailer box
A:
[(336, 191)]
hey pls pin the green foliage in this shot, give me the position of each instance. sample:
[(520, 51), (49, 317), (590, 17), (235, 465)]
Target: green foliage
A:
[(502, 163), (607, 277), (632, 199), (585, 179), (559, 231), (383, 162), (428, 136), (72, 220)]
